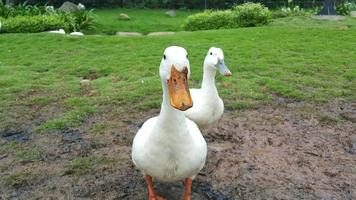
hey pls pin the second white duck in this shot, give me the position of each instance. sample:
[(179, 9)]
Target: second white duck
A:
[(60, 31), (208, 106)]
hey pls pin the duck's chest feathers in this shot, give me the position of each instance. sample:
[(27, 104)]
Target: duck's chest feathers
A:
[(172, 155), (213, 105)]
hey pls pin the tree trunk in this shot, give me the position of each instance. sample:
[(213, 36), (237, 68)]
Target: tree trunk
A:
[(329, 8)]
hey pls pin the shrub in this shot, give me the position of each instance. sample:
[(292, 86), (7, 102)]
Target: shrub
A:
[(79, 20), (26, 18), (23, 9), (288, 12), (251, 14), (82, 20), (210, 20), (33, 24), (343, 8), (245, 15)]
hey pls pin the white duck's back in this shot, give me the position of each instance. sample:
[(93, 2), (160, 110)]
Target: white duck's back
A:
[(168, 153)]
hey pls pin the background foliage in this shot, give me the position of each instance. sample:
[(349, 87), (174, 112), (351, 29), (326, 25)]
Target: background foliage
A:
[(245, 15), (24, 18), (200, 4), (24, 24)]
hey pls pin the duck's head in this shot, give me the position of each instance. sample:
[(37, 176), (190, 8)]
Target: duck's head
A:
[(215, 60), (175, 71)]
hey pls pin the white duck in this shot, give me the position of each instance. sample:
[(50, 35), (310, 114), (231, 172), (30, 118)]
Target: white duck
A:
[(170, 147), (208, 106), (60, 31), (76, 33)]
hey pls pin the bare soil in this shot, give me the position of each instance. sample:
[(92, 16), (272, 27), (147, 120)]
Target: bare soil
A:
[(329, 17), (287, 150)]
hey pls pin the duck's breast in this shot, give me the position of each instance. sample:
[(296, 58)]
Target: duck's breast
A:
[(207, 108), (172, 156)]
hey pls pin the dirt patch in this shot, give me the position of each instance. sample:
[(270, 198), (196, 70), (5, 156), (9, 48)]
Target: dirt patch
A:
[(289, 150), (329, 17)]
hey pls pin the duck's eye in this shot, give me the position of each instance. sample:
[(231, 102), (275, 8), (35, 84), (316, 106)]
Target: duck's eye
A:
[(164, 57), (211, 53)]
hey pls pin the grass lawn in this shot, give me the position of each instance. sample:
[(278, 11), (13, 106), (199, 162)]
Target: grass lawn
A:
[(143, 21), (42, 71)]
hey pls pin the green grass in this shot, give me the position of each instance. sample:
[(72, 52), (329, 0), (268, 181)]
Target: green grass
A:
[(79, 109), (290, 58), (22, 154), (143, 21), (85, 165), (22, 178), (80, 166)]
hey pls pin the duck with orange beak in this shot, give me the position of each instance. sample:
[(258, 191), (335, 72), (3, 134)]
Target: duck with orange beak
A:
[(170, 147)]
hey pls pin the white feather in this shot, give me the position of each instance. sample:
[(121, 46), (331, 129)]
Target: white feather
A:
[(207, 104), (60, 31), (169, 147)]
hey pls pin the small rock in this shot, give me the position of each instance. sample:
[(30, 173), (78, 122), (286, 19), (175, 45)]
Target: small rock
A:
[(160, 33), (352, 149), (15, 136), (332, 172), (85, 86), (84, 82), (128, 34), (124, 16), (350, 116), (171, 13), (69, 7)]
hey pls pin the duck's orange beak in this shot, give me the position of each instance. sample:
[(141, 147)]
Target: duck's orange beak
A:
[(179, 95)]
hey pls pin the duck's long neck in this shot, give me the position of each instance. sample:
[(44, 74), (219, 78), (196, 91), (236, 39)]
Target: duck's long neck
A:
[(208, 83), (169, 114)]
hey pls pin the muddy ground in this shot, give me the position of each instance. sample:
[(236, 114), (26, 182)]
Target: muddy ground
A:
[(284, 150)]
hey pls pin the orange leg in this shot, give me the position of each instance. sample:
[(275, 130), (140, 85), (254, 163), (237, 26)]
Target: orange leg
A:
[(188, 188), (151, 193)]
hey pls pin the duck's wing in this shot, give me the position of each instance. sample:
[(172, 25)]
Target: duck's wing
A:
[(141, 137), (200, 144)]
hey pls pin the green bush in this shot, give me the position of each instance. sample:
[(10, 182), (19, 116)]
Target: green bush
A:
[(27, 18), (352, 5), (210, 20), (245, 15), (82, 20), (344, 8), (33, 24), (23, 9), (296, 11), (251, 14)]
